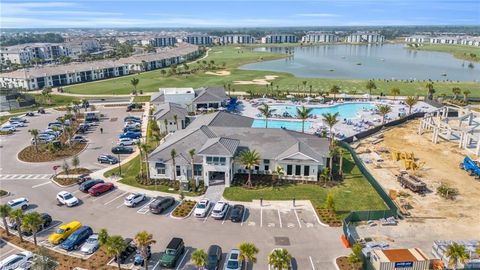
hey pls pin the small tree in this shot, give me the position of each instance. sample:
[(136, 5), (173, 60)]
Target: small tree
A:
[(199, 258), (411, 101), (248, 253), (5, 211), (370, 86), (134, 82), (267, 112), (430, 90), (456, 91), (331, 119), (34, 132), (114, 246), (249, 159), (75, 161), (32, 222), (280, 258), (303, 113), (465, 95), (329, 202), (355, 258), (173, 154), (395, 91), (383, 110), (103, 236), (456, 254), (17, 215), (43, 259), (143, 240), (65, 167), (335, 90)]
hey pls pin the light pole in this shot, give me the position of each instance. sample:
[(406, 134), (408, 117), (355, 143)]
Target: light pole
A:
[(119, 165)]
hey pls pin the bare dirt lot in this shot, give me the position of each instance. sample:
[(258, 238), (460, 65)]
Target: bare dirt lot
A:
[(432, 217)]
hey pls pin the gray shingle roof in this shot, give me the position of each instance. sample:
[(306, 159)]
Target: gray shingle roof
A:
[(210, 94), (219, 146), (169, 110)]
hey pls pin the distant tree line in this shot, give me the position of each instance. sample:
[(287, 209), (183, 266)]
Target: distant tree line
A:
[(20, 38)]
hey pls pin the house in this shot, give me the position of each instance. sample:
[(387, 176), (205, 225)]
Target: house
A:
[(404, 259), (202, 98), (219, 138), (279, 38), (210, 97), (170, 117)]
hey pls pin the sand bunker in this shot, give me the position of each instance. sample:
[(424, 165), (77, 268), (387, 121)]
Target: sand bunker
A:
[(218, 73), (265, 81)]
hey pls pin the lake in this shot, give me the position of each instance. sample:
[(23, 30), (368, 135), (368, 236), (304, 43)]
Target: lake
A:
[(387, 61)]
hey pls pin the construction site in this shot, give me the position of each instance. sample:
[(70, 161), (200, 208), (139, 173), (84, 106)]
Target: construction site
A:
[(420, 165)]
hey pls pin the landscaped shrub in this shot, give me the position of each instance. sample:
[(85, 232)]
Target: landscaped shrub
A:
[(185, 207)]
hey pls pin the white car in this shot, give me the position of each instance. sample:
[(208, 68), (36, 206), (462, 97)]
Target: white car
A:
[(17, 119), (66, 198), (17, 124), (132, 124), (133, 199), (202, 208), (15, 261), (126, 142), (220, 210), (91, 245), (7, 128), (20, 203)]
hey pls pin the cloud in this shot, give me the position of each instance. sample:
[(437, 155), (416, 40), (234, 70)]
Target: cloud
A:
[(325, 15)]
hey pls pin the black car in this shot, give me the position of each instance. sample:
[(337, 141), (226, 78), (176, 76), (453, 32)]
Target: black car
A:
[(132, 129), (30, 114), (107, 159), (134, 106), (237, 213), (47, 221), (41, 110), (85, 186), (161, 204), (132, 119), (214, 257), (122, 150), (131, 248)]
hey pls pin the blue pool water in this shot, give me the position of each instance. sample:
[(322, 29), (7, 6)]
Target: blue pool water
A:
[(346, 110), (291, 125)]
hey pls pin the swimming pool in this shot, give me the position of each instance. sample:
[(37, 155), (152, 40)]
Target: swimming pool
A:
[(345, 110), (291, 125)]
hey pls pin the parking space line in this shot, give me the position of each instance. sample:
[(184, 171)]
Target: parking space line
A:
[(311, 262), (298, 219), (42, 184), (261, 216), (181, 261), (279, 218), (226, 215), (243, 216), (142, 211), (112, 200), (208, 214), (6, 253), (155, 266), (103, 195), (121, 205)]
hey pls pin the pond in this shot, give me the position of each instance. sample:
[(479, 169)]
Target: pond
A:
[(387, 61)]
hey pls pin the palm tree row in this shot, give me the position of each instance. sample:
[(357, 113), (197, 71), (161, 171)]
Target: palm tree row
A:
[(30, 222)]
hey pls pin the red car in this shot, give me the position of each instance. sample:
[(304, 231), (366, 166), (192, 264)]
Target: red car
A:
[(100, 188)]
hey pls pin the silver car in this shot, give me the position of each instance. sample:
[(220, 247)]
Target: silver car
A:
[(91, 245)]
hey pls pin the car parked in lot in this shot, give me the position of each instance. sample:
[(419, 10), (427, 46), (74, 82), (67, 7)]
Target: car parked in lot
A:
[(126, 142), (236, 215), (78, 139), (134, 106), (233, 262), (131, 248), (67, 198), (132, 124), (47, 221), (17, 119), (85, 186), (202, 208), (63, 232), (214, 257), (122, 150), (172, 253), (131, 135), (18, 124), (7, 128), (98, 189), (160, 204), (132, 129), (83, 178), (41, 110), (139, 260), (16, 261), (132, 118), (77, 238), (220, 210), (91, 244), (133, 199), (107, 159), (19, 203), (30, 114)]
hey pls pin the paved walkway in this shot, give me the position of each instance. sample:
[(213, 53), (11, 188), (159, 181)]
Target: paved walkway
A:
[(215, 193)]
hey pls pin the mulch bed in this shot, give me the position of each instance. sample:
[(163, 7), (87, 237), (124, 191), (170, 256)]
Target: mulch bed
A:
[(67, 181), (3, 192), (343, 264), (184, 208), (98, 260), (328, 217), (30, 154)]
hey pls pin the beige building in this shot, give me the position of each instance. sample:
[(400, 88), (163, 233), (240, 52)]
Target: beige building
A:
[(399, 259)]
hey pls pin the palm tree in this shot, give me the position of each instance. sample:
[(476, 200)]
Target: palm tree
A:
[(199, 258), (114, 246), (465, 95), (17, 215), (191, 152), (144, 148), (249, 159), (304, 113), (456, 253), (173, 154), (370, 86), (456, 91), (334, 90), (383, 110), (331, 120), (134, 82), (332, 154), (395, 91), (267, 112), (32, 222), (355, 258), (34, 132), (175, 119), (280, 259), (143, 240), (430, 90), (411, 101), (103, 236), (139, 145), (279, 171), (304, 86), (5, 211), (43, 259), (248, 252)]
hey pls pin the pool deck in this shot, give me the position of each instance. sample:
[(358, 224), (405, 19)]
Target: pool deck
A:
[(363, 120)]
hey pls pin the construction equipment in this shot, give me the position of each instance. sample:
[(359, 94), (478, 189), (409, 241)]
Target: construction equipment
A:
[(472, 167), (412, 182)]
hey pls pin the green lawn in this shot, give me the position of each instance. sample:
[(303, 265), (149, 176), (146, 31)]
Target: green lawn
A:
[(233, 58), (141, 99), (469, 53), (355, 193)]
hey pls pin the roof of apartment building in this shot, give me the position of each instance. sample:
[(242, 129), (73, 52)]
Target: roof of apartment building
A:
[(209, 136), (169, 110), (50, 70), (210, 94), (401, 255)]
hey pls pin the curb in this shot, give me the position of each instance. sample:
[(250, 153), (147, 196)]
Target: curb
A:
[(62, 186), (6, 195), (185, 217), (13, 245)]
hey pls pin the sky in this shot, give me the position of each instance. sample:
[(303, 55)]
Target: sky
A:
[(235, 13)]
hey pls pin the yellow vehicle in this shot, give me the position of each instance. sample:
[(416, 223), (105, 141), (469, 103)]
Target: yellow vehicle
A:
[(63, 231)]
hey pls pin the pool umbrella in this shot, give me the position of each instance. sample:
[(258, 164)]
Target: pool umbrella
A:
[(308, 98), (290, 96), (319, 98)]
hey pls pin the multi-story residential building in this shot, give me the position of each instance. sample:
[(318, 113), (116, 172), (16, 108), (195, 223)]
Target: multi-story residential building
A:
[(25, 53), (76, 47), (16, 55), (319, 37), (418, 39), (192, 99), (451, 40), (279, 38), (170, 117), (365, 37), (219, 138), (237, 39), (59, 75), (198, 39), (161, 41)]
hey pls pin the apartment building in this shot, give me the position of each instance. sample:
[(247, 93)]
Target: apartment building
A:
[(365, 37), (279, 38), (237, 39), (198, 39), (418, 39), (161, 41), (449, 40), (319, 37)]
